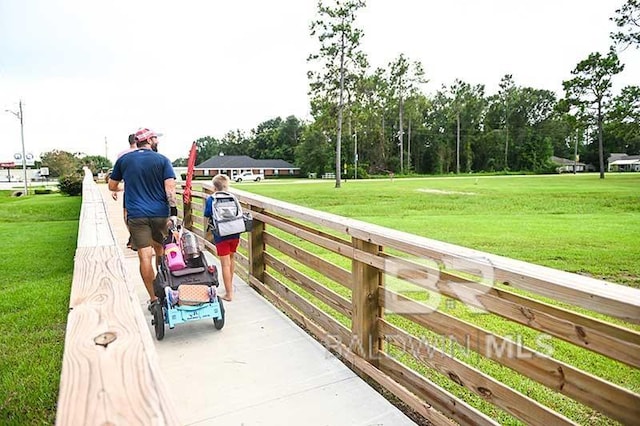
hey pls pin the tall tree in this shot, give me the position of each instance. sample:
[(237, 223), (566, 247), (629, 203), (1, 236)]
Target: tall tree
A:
[(591, 88), (96, 163), (438, 155), (206, 148), (313, 152), (415, 109), (61, 163), (372, 145), (264, 143), (236, 143), (467, 113), (624, 120), (506, 94), (627, 19), (405, 79), (534, 109), (340, 60), (289, 137), (566, 131)]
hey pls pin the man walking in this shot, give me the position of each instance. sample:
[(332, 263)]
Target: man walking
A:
[(150, 200)]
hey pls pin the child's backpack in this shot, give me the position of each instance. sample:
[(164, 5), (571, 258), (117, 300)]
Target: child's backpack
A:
[(227, 217)]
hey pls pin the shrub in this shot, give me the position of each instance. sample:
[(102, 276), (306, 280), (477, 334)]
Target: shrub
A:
[(43, 191), (70, 184), (362, 172)]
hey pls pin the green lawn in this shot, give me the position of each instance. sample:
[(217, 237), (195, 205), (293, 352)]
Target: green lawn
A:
[(39, 241), (575, 223)]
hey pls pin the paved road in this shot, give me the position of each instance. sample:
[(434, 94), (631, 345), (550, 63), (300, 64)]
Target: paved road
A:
[(260, 369)]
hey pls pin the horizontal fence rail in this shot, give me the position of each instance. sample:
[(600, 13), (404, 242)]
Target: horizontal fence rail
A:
[(110, 373), (379, 299)]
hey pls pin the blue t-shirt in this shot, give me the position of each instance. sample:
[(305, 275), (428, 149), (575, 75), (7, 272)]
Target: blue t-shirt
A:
[(208, 212), (144, 172)]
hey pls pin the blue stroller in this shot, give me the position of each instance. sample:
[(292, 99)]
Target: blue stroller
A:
[(186, 285)]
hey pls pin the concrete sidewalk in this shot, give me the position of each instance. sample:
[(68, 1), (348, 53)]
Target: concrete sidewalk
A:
[(260, 369)]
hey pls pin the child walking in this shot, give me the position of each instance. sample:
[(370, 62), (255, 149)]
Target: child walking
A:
[(225, 246)]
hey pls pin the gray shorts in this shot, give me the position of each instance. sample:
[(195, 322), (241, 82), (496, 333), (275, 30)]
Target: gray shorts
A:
[(145, 230)]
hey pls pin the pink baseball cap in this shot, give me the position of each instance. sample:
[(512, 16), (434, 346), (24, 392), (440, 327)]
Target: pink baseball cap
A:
[(143, 134)]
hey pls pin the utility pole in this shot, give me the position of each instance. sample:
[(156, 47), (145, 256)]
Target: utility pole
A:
[(106, 150), (409, 146), (24, 158), (506, 141), (401, 145), (401, 135), (575, 155), (355, 156), (458, 143)]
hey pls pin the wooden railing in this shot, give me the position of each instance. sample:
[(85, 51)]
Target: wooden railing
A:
[(367, 292), (110, 373)]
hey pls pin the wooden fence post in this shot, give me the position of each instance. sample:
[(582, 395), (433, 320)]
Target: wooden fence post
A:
[(187, 213), (187, 216), (366, 310), (256, 249)]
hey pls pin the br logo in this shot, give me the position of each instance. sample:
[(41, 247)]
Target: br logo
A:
[(431, 285)]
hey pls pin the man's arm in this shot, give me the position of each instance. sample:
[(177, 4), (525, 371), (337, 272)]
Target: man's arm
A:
[(170, 190), (114, 185)]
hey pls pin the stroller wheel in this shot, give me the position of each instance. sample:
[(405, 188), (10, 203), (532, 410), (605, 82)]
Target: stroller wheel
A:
[(158, 320), (218, 323)]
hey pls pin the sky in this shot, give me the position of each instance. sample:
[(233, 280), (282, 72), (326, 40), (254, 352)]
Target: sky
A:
[(90, 73)]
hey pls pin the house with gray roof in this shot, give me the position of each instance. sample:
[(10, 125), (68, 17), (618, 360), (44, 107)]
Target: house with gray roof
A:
[(565, 165), (623, 163), (233, 165)]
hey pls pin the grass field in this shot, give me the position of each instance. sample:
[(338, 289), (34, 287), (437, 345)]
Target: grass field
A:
[(578, 223), (39, 241)]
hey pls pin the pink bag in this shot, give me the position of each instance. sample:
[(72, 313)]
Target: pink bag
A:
[(175, 261)]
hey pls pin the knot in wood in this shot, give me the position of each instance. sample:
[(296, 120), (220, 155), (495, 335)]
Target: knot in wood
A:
[(486, 393), (105, 339), (581, 333), (453, 376), (562, 378), (528, 314)]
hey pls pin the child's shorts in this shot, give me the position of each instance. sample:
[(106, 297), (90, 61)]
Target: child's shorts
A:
[(226, 247)]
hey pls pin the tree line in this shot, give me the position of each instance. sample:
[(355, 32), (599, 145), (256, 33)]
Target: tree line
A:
[(382, 121)]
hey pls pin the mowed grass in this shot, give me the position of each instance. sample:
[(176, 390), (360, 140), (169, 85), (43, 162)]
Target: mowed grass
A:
[(575, 223), (39, 241), (579, 223)]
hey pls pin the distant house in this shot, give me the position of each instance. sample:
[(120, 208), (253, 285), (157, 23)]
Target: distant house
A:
[(233, 165), (623, 163), (567, 166)]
